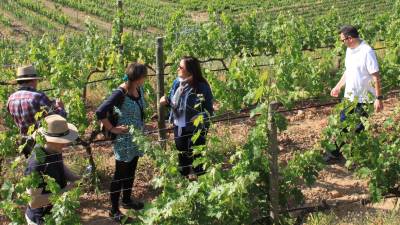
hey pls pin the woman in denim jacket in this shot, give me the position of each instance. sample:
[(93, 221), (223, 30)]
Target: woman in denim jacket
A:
[(189, 98)]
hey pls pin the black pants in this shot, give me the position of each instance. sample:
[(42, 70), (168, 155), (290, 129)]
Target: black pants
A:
[(359, 110), (185, 145), (123, 180)]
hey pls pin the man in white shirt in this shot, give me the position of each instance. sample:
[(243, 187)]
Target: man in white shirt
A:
[(361, 77), (361, 68)]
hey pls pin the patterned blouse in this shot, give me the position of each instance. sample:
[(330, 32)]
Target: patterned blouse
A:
[(130, 112)]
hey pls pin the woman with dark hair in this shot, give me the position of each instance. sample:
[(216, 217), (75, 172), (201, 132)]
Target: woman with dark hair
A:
[(128, 102), (190, 97)]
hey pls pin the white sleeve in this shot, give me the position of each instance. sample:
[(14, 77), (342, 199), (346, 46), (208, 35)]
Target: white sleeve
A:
[(372, 62)]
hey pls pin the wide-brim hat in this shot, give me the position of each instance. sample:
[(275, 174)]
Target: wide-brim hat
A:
[(58, 130), (27, 73)]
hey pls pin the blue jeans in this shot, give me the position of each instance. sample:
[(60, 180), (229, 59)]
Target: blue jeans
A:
[(359, 110)]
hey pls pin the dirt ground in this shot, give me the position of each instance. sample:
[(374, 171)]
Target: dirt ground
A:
[(335, 183), (77, 18), (18, 30)]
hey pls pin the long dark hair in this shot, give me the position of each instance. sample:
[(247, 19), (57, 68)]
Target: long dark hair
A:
[(192, 65)]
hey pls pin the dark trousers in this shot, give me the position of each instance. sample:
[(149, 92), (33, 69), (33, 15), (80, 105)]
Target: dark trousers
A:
[(123, 181), (359, 110), (185, 145)]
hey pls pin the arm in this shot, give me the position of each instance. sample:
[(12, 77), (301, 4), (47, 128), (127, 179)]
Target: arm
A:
[(69, 175), (166, 100), (208, 97), (40, 197), (377, 81), (175, 85), (8, 106), (107, 124), (373, 69), (378, 104), (336, 90), (115, 130), (207, 102), (115, 99), (56, 106), (39, 200)]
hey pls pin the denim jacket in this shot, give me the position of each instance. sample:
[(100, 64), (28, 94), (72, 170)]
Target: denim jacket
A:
[(194, 105)]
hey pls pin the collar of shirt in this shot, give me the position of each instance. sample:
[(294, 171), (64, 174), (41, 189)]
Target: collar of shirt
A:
[(356, 49), (26, 88)]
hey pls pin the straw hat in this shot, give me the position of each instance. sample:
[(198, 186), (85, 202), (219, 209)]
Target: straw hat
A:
[(27, 73), (58, 130)]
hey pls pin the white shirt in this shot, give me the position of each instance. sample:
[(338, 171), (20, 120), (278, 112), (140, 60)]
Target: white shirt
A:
[(180, 122), (360, 63)]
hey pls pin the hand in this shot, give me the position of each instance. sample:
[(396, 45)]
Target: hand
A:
[(335, 92), (148, 127), (163, 101), (75, 177), (378, 105), (120, 129), (59, 103)]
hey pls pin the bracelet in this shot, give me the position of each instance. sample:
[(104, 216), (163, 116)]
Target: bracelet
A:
[(379, 97)]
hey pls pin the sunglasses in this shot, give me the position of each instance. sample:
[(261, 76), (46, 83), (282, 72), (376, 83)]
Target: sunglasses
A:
[(342, 40)]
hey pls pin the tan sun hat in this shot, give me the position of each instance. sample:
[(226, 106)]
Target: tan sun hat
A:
[(27, 73), (58, 130)]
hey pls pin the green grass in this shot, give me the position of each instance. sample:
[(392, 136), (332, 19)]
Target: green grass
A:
[(150, 17), (153, 15)]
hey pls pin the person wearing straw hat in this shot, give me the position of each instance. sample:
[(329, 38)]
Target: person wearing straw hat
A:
[(58, 135), (27, 101)]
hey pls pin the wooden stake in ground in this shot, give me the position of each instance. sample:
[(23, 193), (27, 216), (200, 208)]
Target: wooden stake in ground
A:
[(120, 29), (160, 88), (273, 163)]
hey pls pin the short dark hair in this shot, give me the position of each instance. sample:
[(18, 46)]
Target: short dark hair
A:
[(349, 31), (22, 82), (135, 71)]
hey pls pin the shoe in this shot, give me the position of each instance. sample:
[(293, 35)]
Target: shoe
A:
[(120, 217), (192, 177), (136, 205)]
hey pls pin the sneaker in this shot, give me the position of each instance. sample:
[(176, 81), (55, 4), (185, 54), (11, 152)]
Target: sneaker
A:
[(136, 205), (120, 217)]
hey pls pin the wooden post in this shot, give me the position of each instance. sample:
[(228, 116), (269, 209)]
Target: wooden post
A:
[(160, 88), (273, 163), (92, 165), (120, 28)]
